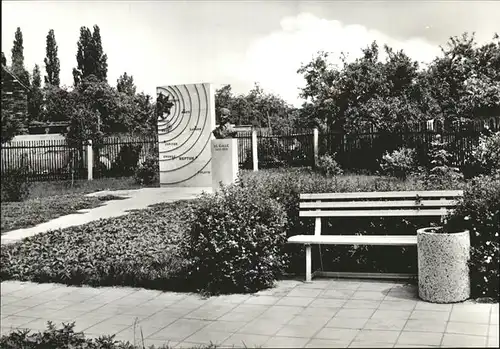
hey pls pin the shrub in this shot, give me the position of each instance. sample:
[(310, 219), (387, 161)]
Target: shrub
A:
[(147, 172), (67, 338), (127, 159), (479, 213), (15, 185), (234, 240), (400, 163), (485, 157), (328, 166), (441, 175)]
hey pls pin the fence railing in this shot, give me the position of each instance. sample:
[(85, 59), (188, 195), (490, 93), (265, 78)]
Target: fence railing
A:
[(118, 156), (363, 150), (48, 160), (289, 148), (44, 160)]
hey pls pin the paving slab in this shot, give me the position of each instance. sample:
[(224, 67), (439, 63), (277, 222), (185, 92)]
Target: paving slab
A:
[(286, 316)]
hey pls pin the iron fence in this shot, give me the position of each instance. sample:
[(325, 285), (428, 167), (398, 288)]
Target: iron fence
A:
[(44, 160), (292, 148), (119, 156), (363, 150)]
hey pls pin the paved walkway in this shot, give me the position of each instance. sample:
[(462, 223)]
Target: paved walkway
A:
[(325, 313), (136, 199)]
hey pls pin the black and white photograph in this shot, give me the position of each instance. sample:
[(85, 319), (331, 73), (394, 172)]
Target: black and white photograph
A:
[(250, 174)]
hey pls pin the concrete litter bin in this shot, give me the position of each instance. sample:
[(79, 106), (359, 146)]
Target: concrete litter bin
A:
[(443, 271)]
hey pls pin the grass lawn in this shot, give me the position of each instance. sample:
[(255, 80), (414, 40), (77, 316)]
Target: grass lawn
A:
[(49, 200), (31, 212), (43, 189)]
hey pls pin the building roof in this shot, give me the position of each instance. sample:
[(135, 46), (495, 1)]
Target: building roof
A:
[(14, 76)]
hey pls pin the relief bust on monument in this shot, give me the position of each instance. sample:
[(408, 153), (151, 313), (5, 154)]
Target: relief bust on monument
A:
[(224, 130)]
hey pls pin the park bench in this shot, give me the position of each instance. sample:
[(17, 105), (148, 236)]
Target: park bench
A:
[(370, 204)]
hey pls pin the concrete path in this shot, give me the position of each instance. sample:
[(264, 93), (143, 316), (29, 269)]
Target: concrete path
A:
[(136, 199), (326, 313)]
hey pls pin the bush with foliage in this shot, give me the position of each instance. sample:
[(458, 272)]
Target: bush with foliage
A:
[(441, 174), (15, 185), (127, 159), (138, 249), (479, 212), (147, 172), (67, 338), (234, 241), (485, 157), (400, 163), (328, 166)]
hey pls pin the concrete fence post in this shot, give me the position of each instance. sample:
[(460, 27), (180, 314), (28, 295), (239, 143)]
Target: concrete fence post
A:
[(254, 151), (90, 160), (315, 145)]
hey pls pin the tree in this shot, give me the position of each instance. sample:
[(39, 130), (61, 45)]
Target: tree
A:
[(256, 108), (11, 126), (17, 66), (58, 104), (365, 93), (52, 64), (90, 57), (466, 78), (125, 84), (35, 96), (145, 121), (4, 60), (223, 99)]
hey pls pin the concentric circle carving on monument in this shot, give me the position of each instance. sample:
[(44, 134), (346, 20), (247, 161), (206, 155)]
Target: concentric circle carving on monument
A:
[(184, 132)]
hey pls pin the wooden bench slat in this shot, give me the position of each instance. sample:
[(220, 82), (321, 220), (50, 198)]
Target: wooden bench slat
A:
[(375, 213), (364, 204), (391, 240), (383, 194)]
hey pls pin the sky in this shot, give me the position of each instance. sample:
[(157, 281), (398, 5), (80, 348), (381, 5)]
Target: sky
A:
[(238, 42)]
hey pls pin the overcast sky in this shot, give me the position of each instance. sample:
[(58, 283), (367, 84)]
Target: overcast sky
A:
[(237, 42)]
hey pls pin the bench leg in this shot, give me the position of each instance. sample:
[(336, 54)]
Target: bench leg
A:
[(308, 263)]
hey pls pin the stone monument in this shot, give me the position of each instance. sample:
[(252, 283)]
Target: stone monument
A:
[(224, 153), (186, 118)]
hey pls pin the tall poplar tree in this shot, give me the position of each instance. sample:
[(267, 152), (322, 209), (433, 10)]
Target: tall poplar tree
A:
[(17, 65), (35, 96), (52, 64), (91, 60)]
